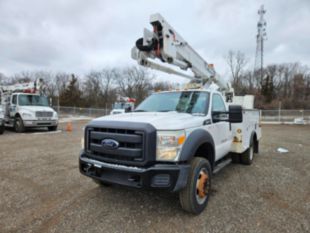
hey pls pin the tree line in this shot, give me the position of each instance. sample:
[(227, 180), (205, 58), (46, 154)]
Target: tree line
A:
[(96, 89), (286, 85)]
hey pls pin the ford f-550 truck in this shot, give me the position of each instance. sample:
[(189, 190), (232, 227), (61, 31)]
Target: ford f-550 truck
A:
[(174, 140)]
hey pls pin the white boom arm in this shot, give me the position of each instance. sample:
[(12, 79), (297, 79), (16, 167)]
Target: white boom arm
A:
[(165, 44), (37, 87)]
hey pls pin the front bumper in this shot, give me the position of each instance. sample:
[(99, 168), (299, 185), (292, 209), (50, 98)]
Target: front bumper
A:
[(171, 177), (40, 123)]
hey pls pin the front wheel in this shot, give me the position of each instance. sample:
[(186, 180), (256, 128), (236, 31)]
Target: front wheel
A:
[(194, 197), (1, 129), (19, 125)]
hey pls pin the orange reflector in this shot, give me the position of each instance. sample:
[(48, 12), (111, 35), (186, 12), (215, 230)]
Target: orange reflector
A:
[(181, 140), (235, 139)]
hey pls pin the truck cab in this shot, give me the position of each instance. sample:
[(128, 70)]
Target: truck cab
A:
[(28, 110), (123, 105)]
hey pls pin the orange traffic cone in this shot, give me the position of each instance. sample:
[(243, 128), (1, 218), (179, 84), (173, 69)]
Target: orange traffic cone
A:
[(69, 127)]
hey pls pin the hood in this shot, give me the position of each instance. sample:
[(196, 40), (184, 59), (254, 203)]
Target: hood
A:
[(36, 108), (160, 120)]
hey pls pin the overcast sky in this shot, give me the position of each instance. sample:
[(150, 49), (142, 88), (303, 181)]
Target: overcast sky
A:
[(78, 35)]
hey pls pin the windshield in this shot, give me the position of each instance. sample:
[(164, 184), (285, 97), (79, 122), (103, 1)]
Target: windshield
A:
[(32, 100), (186, 101)]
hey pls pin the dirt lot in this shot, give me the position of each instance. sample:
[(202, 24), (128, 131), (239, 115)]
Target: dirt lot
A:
[(41, 190)]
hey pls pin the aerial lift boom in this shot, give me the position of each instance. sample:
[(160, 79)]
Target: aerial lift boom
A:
[(37, 87), (165, 44)]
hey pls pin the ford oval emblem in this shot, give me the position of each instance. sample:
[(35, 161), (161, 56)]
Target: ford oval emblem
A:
[(110, 144)]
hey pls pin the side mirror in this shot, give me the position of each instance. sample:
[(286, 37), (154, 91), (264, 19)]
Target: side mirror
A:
[(218, 116), (235, 114)]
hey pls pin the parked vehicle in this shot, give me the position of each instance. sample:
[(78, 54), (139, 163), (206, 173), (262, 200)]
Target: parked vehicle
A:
[(1, 121), (123, 105), (174, 140), (25, 106)]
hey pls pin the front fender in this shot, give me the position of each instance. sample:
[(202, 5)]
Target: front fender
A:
[(193, 142)]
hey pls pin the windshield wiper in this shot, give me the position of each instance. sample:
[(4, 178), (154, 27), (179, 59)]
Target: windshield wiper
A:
[(166, 110), (198, 114), (140, 110)]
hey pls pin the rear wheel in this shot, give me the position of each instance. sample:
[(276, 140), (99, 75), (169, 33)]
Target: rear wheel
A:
[(19, 125), (52, 128), (247, 156), (194, 197)]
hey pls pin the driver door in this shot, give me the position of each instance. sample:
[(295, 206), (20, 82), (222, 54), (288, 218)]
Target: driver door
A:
[(221, 129), (13, 105)]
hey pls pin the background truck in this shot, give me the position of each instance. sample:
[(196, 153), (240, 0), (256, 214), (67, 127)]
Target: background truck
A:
[(174, 140), (24, 106), (123, 105), (1, 120)]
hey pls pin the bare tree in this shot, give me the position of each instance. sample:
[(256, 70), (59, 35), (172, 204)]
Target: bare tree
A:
[(161, 86), (3, 78), (134, 82), (236, 61)]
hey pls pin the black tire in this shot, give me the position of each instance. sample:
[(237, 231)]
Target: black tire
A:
[(256, 151), (247, 157), (19, 125), (102, 183), (235, 158), (1, 129), (52, 128), (190, 198)]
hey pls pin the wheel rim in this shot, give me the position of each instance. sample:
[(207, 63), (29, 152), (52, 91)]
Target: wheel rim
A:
[(17, 125), (251, 153), (202, 186)]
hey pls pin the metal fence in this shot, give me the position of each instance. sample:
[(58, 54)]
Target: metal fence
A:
[(268, 116), (286, 116), (64, 112)]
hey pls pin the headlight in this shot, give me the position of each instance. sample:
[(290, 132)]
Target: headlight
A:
[(169, 144), (82, 139), (82, 143), (27, 115)]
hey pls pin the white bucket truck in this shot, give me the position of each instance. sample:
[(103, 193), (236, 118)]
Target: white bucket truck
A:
[(24, 105), (174, 140)]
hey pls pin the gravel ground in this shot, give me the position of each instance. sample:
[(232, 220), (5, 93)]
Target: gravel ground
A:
[(41, 190)]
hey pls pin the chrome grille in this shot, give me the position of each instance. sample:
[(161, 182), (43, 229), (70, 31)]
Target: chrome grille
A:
[(44, 114)]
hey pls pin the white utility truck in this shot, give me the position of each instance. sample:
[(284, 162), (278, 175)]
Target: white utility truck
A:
[(174, 140), (25, 106), (123, 105), (1, 120)]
